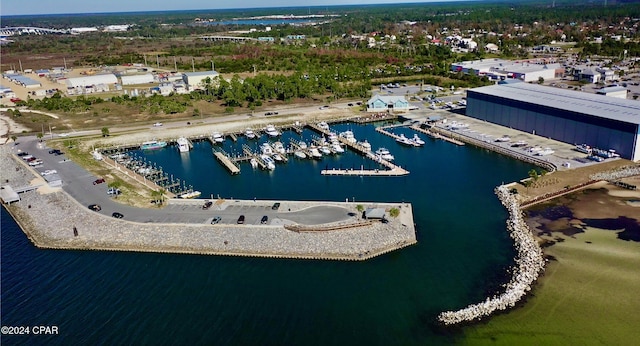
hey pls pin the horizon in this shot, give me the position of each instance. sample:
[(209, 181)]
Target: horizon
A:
[(79, 7)]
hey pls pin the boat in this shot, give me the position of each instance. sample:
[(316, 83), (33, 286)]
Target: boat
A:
[(323, 125), (332, 137), (302, 145), (271, 131), (366, 145), (404, 141), (151, 145), (519, 144), (457, 126), (268, 161), (300, 155), (503, 139), (192, 194), (183, 145), (384, 154), (337, 148), (417, 140), (348, 136), (249, 134), (325, 150), (277, 157), (315, 153), (254, 163), (217, 137), (266, 149), (535, 149), (583, 148), (545, 151), (278, 147)]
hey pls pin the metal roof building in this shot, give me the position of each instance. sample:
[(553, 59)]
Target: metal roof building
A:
[(196, 79), (109, 78), (137, 79), (564, 115)]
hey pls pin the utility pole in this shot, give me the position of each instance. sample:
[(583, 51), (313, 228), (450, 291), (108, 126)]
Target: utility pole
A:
[(175, 64), (193, 64)]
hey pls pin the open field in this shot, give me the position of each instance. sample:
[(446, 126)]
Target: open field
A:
[(588, 294)]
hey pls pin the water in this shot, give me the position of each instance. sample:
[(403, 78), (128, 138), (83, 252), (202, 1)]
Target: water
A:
[(104, 297)]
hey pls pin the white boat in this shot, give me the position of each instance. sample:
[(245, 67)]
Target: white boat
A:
[(266, 149), (192, 194), (278, 147), (300, 155), (325, 150), (457, 126), (271, 165), (151, 145), (535, 149), (302, 145), (384, 154), (519, 144), (366, 145), (545, 151), (348, 135), (217, 137), (583, 148), (323, 125), (503, 139), (249, 134), (417, 140), (254, 163), (332, 137), (183, 145), (404, 141), (337, 148), (277, 157), (271, 131), (315, 153)]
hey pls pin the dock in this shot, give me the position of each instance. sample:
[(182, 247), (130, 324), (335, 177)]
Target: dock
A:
[(226, 161), (436, 135), (394, 172), (374, 118)]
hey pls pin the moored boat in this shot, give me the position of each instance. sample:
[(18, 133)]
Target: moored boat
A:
[(151, 145), (268, 161), (583, 148), (183, 145), (404, 141), (417, 140), (217, 137), (323, 125), (365, 145), (249, 134), (300, 155), (337, 148), (315, 153), (384, 154), (271, 131)]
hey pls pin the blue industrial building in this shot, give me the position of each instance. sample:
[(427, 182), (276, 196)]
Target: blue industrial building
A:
[(565, 115)]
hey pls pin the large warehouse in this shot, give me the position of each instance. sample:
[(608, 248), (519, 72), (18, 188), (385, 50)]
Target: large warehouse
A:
[(197, 79), (565, 115)]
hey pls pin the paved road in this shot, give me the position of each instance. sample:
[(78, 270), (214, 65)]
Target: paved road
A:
[(79, 184)]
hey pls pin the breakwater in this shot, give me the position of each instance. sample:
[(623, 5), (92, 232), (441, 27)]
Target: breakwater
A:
[(529, 264)]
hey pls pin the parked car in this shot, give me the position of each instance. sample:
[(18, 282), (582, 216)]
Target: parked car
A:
[(35, 163), (240, 219), (98, 181), (275, 206), (207, 205), (23, 153), (113, 191), (264, 219), (216, 220), (157, 124), (117, 215), (95, 207)]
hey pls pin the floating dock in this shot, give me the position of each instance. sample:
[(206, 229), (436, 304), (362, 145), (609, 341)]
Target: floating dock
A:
[(394, 172), (226, 161), (437, 135)]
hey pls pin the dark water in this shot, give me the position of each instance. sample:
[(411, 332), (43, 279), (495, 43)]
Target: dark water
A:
[(116, 298)]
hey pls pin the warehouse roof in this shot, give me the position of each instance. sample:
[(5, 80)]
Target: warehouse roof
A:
[(575, 101), (201, 73), (109, 78)]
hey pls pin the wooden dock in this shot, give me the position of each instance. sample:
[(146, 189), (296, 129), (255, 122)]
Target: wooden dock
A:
[(394, 172), (226, 161), (437, 135), (374, 118)]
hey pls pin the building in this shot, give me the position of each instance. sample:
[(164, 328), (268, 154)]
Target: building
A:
[(380, 103), (86, 81), (565, 115), (137, 79), (613, 91), (526, 70), (197, 79)]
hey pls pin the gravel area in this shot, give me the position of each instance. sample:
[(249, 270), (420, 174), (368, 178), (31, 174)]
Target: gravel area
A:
[(49, 216)]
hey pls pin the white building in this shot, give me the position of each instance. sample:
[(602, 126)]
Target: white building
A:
[(86, 81), (137, 79), (526, 70), (383, 103), (78, 31), (613, 91), (197, 79)]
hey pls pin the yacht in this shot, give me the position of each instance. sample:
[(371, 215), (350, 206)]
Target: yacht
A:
[(277, 157), (325, 150), (302, 145), (271, 165), (300, 155), (266, 149), (417, 140), (583, 148), (323, 125), (249, 134), (254, 163), (366, 145), (183, 145), (384, 154), (519, 144), (457, 126), (337, 148), (348, 135), (503, 139), (279, 148), (192, 194), (332, 137), (535, 149), (315, 153), (404, 141), (271, 131), (217, 137)]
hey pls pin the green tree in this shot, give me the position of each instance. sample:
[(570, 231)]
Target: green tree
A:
[(394, 212), (540, 80), (14, 138), (40, 135), (105, 132)]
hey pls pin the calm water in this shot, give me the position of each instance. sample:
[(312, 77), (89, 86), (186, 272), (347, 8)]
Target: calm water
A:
[(101, 297)]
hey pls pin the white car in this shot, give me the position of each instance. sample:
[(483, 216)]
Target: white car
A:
[(49, 172), (157, 124), (35, 162)]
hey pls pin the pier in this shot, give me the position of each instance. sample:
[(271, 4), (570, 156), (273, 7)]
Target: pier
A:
[(226, 161), (394, 172), (374, 118), (436, 135)]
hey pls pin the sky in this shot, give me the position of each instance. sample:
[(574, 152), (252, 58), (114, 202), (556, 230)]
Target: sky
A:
[(25, 7)]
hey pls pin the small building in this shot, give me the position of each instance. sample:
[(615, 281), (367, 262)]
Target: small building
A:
[(197, 79), (613, 91), (8, 195), (374, 213), (86, 81), (383, 103)]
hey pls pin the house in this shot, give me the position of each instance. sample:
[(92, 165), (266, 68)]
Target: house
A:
[(380, 103)]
